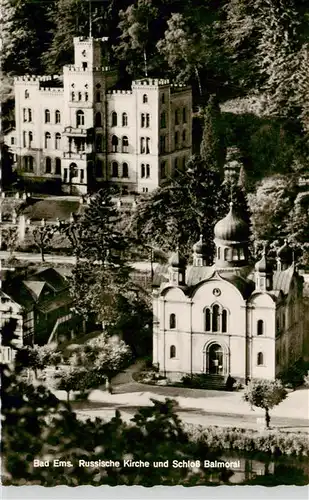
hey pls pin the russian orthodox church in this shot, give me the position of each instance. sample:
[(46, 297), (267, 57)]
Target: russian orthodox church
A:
[(233, 318)]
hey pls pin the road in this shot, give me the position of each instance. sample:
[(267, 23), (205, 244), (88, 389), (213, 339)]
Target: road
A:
[(64, 259)]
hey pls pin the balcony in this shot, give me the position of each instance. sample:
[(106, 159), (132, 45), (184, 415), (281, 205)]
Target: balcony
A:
[(74, 155), (77, 132)]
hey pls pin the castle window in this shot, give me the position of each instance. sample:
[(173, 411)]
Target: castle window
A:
[(30, 138), (114, 119), (260, 359), (143, 170), (98, 119), (24, 139), (260, 327), (162, 143), (163, 170), (147, 145), (57, 116), (84, 64), (114, 169), (184, 136), (80, 118), (184, 115), (29, 115), (177, 117), (58, 166), (147, 171), (147, 120), (65, 175), (48, 165), (82, 176), (172, 351), (86, 96), (28, 163), (73, 96), (163, 98), (145, 98), (145, 190), (124, 119), (57, 140), (143, 145), (125, 170), (79, 96), (114, 144), (47, 140), (125, 144), (176, 140), (27, 95), (99, 168), (207, 320), (172, 321), (163, 120), (143, 120), (24, 114), (98, 96), (47, 116), (98, 143)]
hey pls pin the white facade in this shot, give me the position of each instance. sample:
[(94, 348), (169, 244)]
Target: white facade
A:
[(77, 129), (227, 319)]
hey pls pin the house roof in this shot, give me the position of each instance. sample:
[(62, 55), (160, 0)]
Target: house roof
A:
[(35, 287), (52, 277), (55, 302)]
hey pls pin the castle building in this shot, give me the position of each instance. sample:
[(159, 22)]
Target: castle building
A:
[(230, 319), (77, 129)]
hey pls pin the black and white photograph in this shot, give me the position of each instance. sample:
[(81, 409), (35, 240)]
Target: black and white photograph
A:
[(154, 245)]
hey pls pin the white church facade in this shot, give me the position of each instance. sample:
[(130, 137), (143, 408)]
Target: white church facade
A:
[(79, 129), (231, 319)]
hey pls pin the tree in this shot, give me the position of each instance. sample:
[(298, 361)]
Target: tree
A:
[(265, 394), (38, 357), (42, 237), (212, 146), (10, 238)]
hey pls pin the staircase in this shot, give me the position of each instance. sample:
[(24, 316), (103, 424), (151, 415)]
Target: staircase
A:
[(215, 382)]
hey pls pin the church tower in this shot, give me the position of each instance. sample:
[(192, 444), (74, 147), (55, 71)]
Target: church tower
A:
[(284, 256), (232, 241), (263, 274), (199, 253), (177, 269)]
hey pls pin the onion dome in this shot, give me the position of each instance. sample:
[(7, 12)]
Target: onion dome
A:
[(176, 260), (263, 265), (232, 228), (285, 253), (200, 247)]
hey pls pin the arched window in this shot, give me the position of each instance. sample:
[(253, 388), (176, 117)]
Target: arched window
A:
[(98, 96), (143, 120), (260, 327), (219, 253), (163, 120), (98, 143), (30, 137), (177, 117), (80, 118), (226, 254), (57, 140), (184, 136), (47, 165), (125, 170), (184, 115), (28, 163), (98, 119), (114, 169), (147, 145), (124, 119), (235, 254), (145, 98), (114, 144), (27, 94), (172, 321), (47, 116), (224, 321), (114, 119), (143, 171), (163, 98), (163, 170), (73, 96), (147, 120), (125, 144), (207, 319), (86, 96), (58, 166), (172, 351), (99, 168), (215, 318), (47, 140), (260, 358), (147, 171), (57, 116), (176, 140), (142, 145)]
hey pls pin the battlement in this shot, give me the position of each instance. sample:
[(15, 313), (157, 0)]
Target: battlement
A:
[(72, 68), (156, 82), (119, 92), (87, 39), (180, 87), (54, 90), (36, 78)]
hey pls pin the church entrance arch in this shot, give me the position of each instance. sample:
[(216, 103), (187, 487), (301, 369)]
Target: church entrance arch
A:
[(215, 359)]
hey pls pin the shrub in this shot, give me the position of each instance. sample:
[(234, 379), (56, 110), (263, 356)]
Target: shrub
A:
[(294, 375)]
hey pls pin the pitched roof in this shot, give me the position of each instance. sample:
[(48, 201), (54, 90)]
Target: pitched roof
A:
[(35, 287), (54, 279)]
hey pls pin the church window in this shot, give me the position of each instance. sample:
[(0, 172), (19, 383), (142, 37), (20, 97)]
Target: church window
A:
[(172, 351), (241, 254), (125, 144), (57, 140), (98, 119), (219, 253), (47, 140), (260, 358), (58, 166), (80, 118), (145, 98), (114, 144), (114, 169), (163, 120), (224, 321), (114, 119), (207, 320), (215, 318), (142, 170), (260, 327), (235, 254), (184, 115), (124, 119), (172, 321), (226, 253), (47, 116), (125, 170), (57, 116), (48, 165), (177, 117)]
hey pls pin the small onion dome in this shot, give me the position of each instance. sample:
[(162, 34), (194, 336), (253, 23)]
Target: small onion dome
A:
[(285, 253), (200, 247), (263, 265), (176, 260), (232, 228)]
